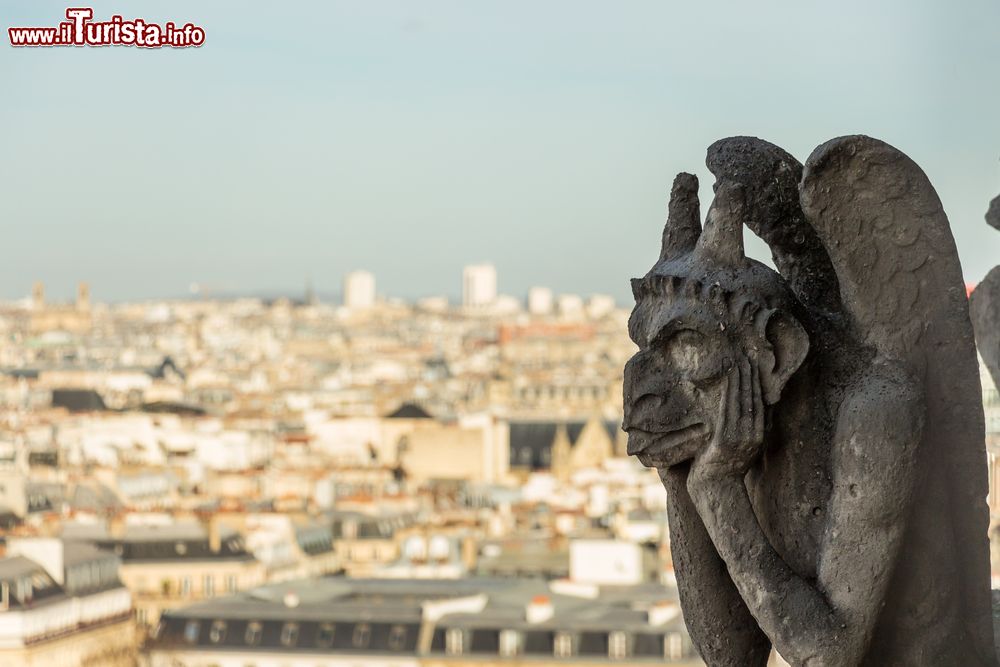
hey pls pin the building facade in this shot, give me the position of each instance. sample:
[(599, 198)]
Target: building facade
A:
[(72, 611), (359, 290), (333, 622)]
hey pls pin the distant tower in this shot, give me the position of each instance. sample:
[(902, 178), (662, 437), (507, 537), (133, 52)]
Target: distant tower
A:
[(570, 305), (600, 305), (359, 290), (479, 285), (559, 462), (540, 301), (83, 296), (38, 295), (311, 299)]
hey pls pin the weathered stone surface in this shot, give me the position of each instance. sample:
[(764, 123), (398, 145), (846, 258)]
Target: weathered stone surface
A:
[(993, 214), (996, 618), (819, 431), (985, 306)]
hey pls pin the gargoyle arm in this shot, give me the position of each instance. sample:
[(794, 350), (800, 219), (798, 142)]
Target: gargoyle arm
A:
[(830, 621), (727, 634)]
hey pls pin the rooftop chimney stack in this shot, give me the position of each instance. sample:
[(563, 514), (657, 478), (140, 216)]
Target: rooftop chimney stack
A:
[(539, 610), (214, 536), (83, 296), (662, 612)]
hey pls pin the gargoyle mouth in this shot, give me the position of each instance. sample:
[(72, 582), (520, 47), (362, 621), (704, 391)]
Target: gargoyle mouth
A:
[(665, 449)]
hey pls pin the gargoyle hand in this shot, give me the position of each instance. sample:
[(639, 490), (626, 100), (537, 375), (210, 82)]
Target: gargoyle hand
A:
[(739, 433)]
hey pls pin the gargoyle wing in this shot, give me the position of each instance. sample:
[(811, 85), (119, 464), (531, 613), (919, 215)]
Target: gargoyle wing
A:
[(902, 289), (993, 214), (889, 240), (984, 305)]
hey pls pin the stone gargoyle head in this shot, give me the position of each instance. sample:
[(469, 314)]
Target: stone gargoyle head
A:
[(702, 310)]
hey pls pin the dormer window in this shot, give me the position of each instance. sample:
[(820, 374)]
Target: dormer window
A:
[(217, 634), (397, 637), (253, 633), (362, 635), (618, 645), (25, 592), (563, 646), (325, 634), (511, 643), (454, 641), (191, 630), (674, 646), (290, 634)]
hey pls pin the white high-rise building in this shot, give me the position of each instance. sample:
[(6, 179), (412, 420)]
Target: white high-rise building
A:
[(479, 285), (540, 301), (600, 305), (506, 304), (359, 290), (570, 306)]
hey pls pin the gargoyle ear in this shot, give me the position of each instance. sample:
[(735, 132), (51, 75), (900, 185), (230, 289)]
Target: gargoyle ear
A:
[(785, 347)]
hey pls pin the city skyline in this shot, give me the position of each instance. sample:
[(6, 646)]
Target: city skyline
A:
[(358, 290), (329, 337), (414, 140)]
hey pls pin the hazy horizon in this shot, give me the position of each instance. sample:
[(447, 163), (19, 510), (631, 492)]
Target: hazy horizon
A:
[(411, 140)]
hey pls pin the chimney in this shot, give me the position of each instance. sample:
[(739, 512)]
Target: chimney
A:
[(539, 609), (214, 536), (470, 552), (38, 295), (83, 297), (662, 612), (560, 457)]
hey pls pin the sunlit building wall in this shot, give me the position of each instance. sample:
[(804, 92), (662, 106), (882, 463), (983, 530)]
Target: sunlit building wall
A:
[(479, 285), (359, 290)]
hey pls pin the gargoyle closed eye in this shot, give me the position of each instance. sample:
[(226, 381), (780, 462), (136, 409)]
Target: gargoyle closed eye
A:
[(695, 356)]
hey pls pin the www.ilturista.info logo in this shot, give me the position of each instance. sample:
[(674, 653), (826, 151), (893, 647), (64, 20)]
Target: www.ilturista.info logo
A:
[(79, 30)]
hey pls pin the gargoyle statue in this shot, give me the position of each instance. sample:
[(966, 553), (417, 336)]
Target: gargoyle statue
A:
[(819, 429)]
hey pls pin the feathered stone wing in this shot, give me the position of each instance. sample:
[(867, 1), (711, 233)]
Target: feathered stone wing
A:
[(901, 286), (985, 306)]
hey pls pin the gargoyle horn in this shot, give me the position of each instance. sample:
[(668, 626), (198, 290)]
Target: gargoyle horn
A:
[(683, 219), (722, 238)]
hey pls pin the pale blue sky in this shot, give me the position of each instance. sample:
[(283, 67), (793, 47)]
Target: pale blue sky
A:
[(413, 137)]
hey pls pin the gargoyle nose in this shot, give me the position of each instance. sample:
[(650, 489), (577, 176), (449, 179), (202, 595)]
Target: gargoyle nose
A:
[(640, 410)]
